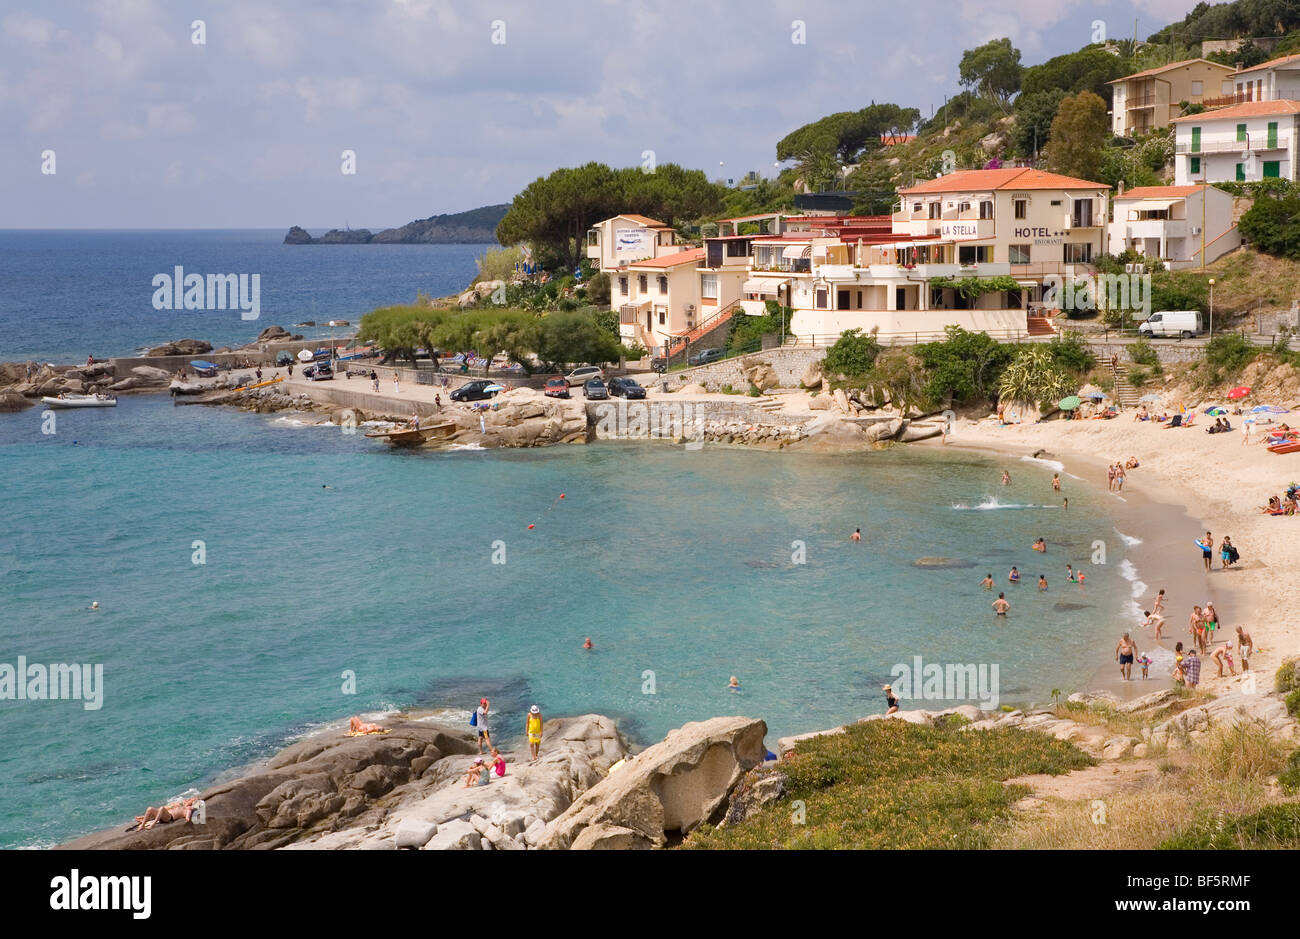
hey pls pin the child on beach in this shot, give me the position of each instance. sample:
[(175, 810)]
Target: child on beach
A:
[(1156, 620), (498, 763), (478, 774), (1056, 482), (1145, 662)]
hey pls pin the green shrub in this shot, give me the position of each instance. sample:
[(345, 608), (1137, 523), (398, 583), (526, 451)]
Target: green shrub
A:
[(1293, 703), (1288, 677), (1225, 356), (1142, 352), (1289, 778), (853, 355), (1277, 826)]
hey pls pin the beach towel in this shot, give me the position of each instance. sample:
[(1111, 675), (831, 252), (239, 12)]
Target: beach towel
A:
[(364, 733)]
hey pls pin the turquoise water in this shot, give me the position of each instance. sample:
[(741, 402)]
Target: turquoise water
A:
[(675, 562)]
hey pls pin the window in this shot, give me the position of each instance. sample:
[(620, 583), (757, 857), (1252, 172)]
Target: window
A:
[(1272, 135), (1198, 89), (709, 286), (1018, 254), (1078, 253), (1196, 166), (622, 286), (641, 283), (1272, 169), (1241, 172), (1241, 133), (820, 302), (1056, 202), (737, 248), (986, 209), (974, 254), (1196, 140), (935, 209), (663, 284), (963, 206), (1082, 217), (916, 208), (1021, 207), (661, 316)]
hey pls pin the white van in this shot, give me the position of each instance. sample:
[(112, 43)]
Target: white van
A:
[(1184, 323)]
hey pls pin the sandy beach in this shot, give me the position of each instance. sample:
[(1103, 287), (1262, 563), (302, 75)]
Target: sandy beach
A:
[(1188, 482)]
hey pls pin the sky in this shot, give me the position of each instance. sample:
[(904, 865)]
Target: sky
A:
[(450, 105)]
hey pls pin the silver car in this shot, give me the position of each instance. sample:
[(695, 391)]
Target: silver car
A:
[(580, 376)]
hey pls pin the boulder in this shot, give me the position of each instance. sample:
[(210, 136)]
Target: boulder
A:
[(762, 376), (11, 401), (812, 376), (914, 432), (149, 375), (415, 833), (466, 299), (273, 334), (456, 835), (672, 787), (842, 401), (182, 347), (819, 403)]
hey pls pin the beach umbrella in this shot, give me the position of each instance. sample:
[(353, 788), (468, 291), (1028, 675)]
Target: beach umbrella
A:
[(306, 355), (1070, 403), (1096, 395), (1087, 391), (1215, 411), (1239, 392)]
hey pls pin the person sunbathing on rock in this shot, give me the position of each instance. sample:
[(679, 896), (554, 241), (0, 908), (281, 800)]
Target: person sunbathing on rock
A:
[(358, 726), (168, 813)]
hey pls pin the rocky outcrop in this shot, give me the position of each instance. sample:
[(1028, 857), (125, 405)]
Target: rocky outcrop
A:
[(274, 334), (316, 785), (181, 347), (298, 236), (665, 791), (477, 226), (31, 380), (521, 417), (11, 401)]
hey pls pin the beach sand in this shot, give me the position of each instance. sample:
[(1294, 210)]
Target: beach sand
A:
[(1189, 482)]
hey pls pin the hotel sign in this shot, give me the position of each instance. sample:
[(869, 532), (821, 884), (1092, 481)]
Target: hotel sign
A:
[(959, 231), (1042, 236)]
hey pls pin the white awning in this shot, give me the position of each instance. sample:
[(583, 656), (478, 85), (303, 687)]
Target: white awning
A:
[(762, 286), (797, 251), (1150, 205)]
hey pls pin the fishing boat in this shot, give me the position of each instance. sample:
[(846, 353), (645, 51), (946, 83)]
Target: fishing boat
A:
[(80, 401), (408, 436)]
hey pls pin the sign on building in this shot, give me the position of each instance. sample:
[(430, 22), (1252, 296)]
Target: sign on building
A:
[(634, 242)]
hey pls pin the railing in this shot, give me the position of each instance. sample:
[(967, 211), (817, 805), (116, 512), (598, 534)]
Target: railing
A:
[(1141, 101), (903, 339), (1233, 146), (1243, 97), (682, 343)]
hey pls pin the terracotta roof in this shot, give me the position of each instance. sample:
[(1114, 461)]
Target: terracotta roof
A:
[(1164, 68), (1009, 178), (1160, 192), (1271, 63), (671, 260), (643, 220), (1246, 109)]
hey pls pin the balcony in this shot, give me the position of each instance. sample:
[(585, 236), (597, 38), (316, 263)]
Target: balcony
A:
[(1156, 228), (1242, 97), (1256, 142)]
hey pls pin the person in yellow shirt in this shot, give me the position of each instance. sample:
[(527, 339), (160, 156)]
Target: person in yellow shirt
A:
[(533, 727)]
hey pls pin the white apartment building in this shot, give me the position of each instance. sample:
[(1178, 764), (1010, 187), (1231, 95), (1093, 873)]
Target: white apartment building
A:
[(1242, 143), (1171, 225)]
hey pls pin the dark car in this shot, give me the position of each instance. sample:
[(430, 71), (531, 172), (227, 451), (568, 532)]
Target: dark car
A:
[(319, 372), (474, 391), (556, 388), (625, 388), (705, 356), (595, 390)]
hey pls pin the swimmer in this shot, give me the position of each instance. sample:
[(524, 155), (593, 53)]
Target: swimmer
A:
[(1006, 478), (1000, 605), (734, 684), (1040, 545), (1065, 504), (1069, 574), (1056, 482), (857, 535), (94, 604), (587, 643), (1154, 619), (1042, 582), (987, 582), (1014, 576)]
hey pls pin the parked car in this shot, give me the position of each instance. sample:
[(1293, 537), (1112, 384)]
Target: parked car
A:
[(580, 376), (1184, 323), (319, 372), (475, 390), (284, 358), (556, 388), (625, 388), (595, 390), (705, 356)]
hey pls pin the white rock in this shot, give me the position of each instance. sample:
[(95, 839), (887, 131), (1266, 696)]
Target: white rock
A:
[(415, 833)]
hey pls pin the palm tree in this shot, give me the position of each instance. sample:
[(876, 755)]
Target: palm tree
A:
[(1033, 379)]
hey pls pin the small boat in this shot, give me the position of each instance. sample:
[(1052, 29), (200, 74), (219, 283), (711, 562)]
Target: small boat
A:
[(408, 436), (204, 368), (80, 401)]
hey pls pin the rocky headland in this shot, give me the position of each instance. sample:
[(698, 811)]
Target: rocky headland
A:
[(477, 226)]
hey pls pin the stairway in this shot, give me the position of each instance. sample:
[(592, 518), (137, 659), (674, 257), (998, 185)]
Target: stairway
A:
[(1039, 326), (1125, 394), (677, 349)]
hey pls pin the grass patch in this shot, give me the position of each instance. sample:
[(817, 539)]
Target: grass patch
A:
[(891, 784), (1289, 778), (1274, 826)]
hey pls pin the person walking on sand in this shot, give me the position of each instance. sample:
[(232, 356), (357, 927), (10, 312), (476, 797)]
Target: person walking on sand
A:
[(1125, 651), (1196, 628), (1191, 668), (481, 721), (1207, 550), (1158, 607), (397, 386), (1000, 605), (533, 727), (374, 381), (1211, 620), (1244, 642)]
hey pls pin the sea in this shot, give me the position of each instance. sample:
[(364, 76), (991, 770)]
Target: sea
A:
[(259, 578)]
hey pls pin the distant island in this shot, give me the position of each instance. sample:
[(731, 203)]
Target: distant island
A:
[(477, 226)]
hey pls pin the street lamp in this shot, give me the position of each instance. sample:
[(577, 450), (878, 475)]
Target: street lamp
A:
[(1211, 305)]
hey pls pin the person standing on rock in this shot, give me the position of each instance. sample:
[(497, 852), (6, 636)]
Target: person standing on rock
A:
[(481, 721), (891, 700), (533, 727)]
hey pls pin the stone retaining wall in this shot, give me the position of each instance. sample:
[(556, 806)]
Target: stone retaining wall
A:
[(789, 363)]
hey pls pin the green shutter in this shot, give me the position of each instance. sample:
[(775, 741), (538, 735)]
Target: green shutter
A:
[(1272, 169), (1272, 135), (1196, 140), (1241, 173), (1241, 133), (1196, 166)]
